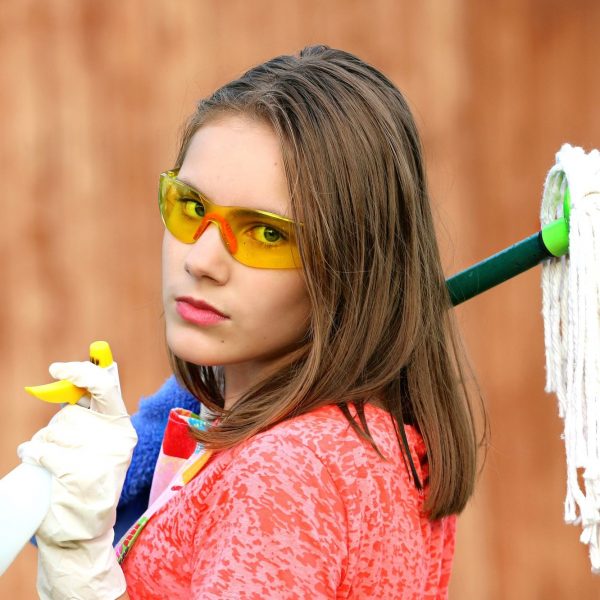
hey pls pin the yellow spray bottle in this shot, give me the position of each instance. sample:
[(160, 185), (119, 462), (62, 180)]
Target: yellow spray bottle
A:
[(25, 491)]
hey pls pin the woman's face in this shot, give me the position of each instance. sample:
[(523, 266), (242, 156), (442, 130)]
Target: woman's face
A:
[(234, 161)]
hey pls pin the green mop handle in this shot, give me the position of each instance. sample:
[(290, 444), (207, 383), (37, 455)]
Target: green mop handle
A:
[(552, 240)]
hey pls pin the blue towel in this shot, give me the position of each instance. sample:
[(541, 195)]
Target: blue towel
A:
[(149, 422)]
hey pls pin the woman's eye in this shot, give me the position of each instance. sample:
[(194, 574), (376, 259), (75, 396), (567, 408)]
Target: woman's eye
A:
[(193, 208), (267, 235)]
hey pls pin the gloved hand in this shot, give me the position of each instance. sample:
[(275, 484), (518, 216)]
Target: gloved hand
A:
[(87, 451)]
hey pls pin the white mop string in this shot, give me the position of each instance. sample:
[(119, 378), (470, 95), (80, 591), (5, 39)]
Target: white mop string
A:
[(571, 311)]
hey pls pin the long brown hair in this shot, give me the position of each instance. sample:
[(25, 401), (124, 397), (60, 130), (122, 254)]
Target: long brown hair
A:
[(381, 329)]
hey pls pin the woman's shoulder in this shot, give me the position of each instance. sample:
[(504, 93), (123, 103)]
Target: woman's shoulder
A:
[(319, 453), (322, 431), (326, 430), (324, 438), (314, 433)]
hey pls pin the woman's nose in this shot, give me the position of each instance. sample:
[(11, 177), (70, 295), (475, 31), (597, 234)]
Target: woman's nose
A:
[(208, 256)]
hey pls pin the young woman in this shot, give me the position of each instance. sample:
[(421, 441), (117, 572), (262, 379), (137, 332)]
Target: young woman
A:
[(306, 309)]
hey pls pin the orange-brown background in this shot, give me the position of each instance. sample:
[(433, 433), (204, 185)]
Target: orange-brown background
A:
[(93, 93)]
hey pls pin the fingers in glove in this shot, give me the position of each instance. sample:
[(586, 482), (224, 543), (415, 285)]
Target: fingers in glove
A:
[(102, 384)]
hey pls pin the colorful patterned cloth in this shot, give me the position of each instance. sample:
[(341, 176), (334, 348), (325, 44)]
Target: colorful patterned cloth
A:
[(177, 446), (306, 509), (180, 459), (149, 422)]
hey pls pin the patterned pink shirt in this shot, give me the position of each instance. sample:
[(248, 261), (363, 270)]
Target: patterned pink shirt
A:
[(304, 510)]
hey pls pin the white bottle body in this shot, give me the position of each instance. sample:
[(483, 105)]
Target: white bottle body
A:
[(24, 502)]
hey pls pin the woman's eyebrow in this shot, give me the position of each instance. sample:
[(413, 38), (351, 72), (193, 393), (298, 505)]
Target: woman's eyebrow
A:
[(192, 186), (246, 210)]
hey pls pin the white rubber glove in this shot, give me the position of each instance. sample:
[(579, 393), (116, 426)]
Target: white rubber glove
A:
[(87, 451)]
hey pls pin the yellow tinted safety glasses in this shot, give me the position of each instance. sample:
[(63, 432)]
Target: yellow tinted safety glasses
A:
[(253, 237)]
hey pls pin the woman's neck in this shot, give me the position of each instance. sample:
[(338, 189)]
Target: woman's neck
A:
[(238, 380)]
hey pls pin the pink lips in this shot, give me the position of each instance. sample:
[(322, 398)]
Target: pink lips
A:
[(198, 312)]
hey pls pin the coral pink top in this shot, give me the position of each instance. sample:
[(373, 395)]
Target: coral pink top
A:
[(306, 509)]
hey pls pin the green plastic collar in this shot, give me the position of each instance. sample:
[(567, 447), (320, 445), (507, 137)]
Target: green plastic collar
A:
[(555, 235)]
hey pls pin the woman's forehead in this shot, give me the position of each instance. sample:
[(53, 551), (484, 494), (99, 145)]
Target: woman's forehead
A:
[(237, 161)]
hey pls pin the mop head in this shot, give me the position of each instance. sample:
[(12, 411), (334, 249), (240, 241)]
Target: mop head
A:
[(571, 310)]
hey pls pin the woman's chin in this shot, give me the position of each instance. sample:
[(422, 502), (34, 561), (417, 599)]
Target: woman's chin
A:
[(187, 346)]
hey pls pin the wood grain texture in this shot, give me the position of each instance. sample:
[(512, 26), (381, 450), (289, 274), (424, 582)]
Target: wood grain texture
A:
[(93, 97)]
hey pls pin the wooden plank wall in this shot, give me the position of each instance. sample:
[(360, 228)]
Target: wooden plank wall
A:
[(92, 97)]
